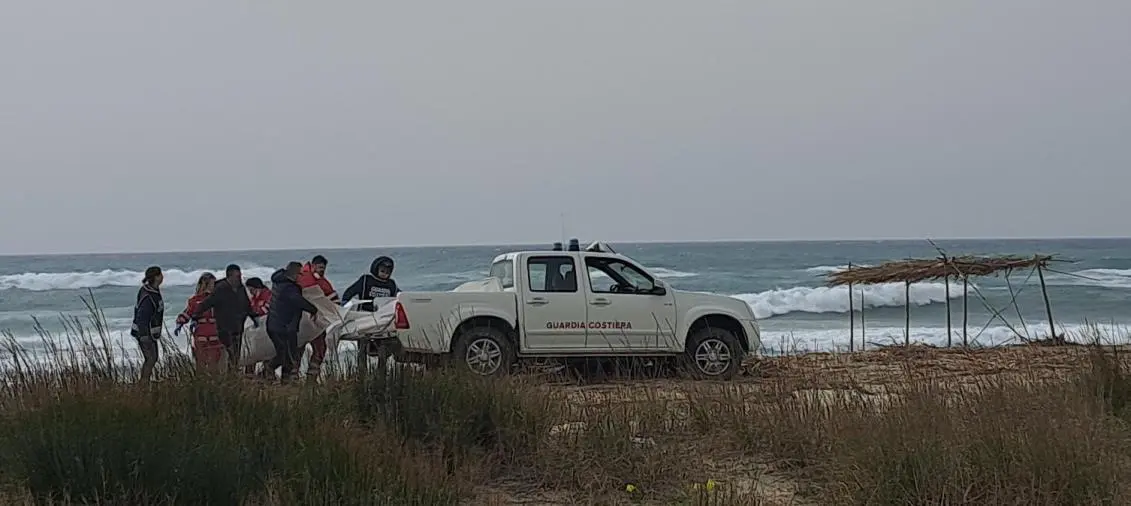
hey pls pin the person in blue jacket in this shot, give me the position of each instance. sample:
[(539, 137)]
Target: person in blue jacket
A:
[(149, 318), (284, 316), (377, 283)]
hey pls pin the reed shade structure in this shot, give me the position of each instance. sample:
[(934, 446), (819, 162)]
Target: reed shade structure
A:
[(942, 269)]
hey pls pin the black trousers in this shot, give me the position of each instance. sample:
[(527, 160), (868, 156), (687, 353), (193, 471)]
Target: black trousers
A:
[(233, 342), (286, 351), (150, 353)]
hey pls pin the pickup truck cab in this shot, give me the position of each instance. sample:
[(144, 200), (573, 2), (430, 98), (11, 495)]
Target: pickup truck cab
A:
[(573, 304)]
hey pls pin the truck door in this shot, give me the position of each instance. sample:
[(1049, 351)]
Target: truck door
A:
[(626, 311), (553, 308)]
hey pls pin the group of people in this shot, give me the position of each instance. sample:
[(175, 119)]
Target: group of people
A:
[(217, 311)]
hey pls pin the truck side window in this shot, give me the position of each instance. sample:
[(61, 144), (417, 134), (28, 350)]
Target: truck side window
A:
[(504, 270), (616, 276), (551, 274)]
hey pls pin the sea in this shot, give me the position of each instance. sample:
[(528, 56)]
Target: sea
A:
[(784, 282)]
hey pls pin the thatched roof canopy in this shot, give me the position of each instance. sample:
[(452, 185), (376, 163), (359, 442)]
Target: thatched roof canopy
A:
[(915, 271)]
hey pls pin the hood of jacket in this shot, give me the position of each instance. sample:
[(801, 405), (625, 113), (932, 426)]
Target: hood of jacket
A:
[(377, 262), (280, 276)]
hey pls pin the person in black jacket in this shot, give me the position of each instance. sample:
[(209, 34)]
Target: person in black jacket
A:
[(377, 283), (149, 317), (287, 306), (232, 307)]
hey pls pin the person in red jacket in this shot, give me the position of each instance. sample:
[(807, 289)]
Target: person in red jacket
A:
[(260, 296), (260, 304), (314, 274), (207, 349)]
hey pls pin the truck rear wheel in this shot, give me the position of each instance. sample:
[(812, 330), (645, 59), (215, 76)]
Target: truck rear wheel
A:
[(484, 351), (712, 353)]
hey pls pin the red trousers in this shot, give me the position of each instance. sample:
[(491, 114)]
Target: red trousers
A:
[(207, 351), (317, 355)]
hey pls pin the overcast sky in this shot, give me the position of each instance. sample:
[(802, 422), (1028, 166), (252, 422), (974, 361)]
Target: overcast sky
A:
[(207, 124)]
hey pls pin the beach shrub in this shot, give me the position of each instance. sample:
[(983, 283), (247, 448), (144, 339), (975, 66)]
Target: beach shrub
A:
[(78, 431), (208, 440), (1020, 440), (459, 413)]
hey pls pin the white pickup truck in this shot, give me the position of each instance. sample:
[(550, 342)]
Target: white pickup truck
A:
[(572, 304)]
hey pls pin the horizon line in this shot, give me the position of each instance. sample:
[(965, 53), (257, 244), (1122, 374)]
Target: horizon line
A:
[(530, 244)]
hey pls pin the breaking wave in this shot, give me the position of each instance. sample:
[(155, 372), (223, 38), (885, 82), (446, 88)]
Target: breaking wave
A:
[(825, 269), (46, 281), (835, 299), (670, 273), (1104, 278), (815, 340)]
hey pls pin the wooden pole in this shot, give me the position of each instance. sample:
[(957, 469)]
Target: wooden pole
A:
[(863, 333), (965, 309), (1048, 306), (946, 280), (907, 314), (851, 319)]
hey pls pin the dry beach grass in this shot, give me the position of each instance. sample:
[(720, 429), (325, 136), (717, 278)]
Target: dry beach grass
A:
[(1018, 425)]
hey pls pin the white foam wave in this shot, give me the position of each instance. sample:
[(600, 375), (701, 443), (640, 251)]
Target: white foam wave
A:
[(809, 340), (1104, 278), (454, 276), (670, 273), (826, 269), (835, 299), (45, 281)]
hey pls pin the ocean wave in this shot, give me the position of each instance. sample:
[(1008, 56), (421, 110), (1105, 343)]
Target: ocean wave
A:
[(452, 276), (808, 340), (47, 281), (670, 273), (1103, 278), (835, 299), (826, 269)]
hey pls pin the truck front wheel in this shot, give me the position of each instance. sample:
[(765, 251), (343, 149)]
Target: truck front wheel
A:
[(485, 351), (712, 353)]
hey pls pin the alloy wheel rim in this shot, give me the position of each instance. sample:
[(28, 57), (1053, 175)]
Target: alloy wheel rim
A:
[(712, 357), (484, 356)]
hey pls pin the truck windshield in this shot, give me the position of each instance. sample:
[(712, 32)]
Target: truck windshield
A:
[(504, 270)]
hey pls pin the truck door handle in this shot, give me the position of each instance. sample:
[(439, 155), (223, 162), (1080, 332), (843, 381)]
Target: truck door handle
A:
[(537, 301), (600, 302)]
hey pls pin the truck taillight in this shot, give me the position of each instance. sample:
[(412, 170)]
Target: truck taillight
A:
[(400, 319)]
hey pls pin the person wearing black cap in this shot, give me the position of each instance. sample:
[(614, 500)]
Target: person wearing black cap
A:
[(377, 283), (232, 306), (149, 317)]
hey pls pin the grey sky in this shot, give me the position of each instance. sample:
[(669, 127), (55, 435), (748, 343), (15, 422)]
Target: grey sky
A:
[(141, 125)]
